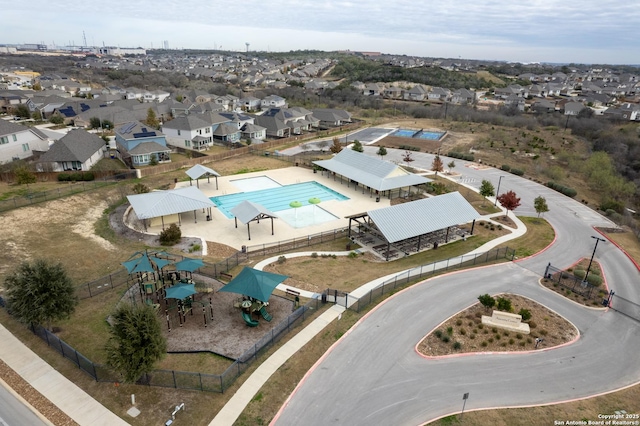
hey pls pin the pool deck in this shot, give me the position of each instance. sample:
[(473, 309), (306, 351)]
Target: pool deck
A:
[(222, 230)]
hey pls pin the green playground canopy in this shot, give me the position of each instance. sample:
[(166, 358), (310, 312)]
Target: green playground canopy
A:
[(254, 283), (180, 291)]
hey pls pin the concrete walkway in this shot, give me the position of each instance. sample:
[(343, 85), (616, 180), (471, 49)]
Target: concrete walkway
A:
[(236, 405), (68, 397)]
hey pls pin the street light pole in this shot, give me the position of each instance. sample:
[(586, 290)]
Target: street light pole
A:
[(498, 191), (598, 239)]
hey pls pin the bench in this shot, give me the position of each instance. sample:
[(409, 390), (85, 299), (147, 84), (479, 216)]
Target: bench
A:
[(293, 293), (226, 276)]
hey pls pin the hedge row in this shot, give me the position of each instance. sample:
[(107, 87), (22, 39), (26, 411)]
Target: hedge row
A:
[(461, 156), (76, 177), (409, 148), (569, 192), (517, 172)]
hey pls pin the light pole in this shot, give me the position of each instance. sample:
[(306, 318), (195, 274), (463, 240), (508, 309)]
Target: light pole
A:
[(498, 191), (598, 239)]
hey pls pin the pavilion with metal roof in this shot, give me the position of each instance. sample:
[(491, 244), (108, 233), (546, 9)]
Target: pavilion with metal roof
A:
[(248, 211), (169, 204), (198, 171), (415, 225), (376, 175)]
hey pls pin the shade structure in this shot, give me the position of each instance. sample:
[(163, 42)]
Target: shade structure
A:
[(180, 291), (144, 262), (295, 204), (315, 200), (254, 283), (189, 265)]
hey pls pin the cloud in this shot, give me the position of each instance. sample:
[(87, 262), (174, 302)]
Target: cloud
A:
[(494, 29)]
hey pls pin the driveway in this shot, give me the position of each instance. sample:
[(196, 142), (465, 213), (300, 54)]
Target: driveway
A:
[(374, 375)]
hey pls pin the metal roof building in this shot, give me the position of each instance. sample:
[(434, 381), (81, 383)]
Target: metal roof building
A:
[(414, 225), (248, 211), (197, 171), (166, 203), (371, 172)]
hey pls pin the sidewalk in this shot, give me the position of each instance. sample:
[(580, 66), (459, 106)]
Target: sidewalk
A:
[(75, 402), (236, 405)]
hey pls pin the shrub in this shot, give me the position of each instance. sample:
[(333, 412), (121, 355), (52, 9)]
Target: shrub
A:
[(490, 340), (521, 343), (314, 255), (569, 192), (484, 344), (517, 172), (472, 336), (438, 333), (519, 336), (579, 273), (543, 332), (525, 314), (457, 345), (195, 247), (594, 280), (459, 323), (353, 255), (511, 341), (504, 304), (449, 330), (497, 336), (463, 331), (505, 167), (282, 259), (445, 339), (171, 235), (64, 177)]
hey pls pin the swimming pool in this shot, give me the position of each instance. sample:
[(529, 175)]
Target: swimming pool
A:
[(278, 199), (255, 183), (404, 133), (418, 134)]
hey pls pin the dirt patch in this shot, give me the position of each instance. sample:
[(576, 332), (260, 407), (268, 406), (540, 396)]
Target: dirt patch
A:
[(466, 328)]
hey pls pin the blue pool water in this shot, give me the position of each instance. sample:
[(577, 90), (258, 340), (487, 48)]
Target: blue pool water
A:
[(418, 134), (278, 199), (404, 133), (434, 136)]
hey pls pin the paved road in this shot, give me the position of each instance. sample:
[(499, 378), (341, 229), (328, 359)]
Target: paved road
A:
[(374, 375), (14, 413)]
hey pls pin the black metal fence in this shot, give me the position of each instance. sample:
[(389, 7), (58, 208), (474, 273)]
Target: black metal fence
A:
[(418, 273), (624, 306), (185, 379), (574, 284)]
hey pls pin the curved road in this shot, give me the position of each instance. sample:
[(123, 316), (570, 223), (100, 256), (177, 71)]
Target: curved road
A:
[(14, 413), (374, 376)]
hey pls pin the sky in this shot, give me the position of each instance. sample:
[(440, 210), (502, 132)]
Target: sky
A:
[(569, 31)]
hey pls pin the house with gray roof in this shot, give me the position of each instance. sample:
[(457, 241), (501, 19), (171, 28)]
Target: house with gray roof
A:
[(78, 150), (138, 144), (18, 142), (329, 117), (416, 93), (191, 131)]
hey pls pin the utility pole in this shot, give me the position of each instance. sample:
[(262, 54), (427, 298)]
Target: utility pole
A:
[(598, 239)]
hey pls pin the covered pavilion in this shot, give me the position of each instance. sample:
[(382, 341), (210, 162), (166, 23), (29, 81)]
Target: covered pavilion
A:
[(378, 176), (198, 171), (248, 211), (169, 204), (412, 226)]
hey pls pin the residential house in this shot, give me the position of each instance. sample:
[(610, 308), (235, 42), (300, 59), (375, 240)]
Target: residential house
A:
[(190, 132), (543, 106), (332, 117), (463, 97), (18, 142), (515, 101), (439, 94), (10, 99), (138, 144), (78, 150), (253, 132), (229, 102), (273, 101), (416, 93), (393, 92), (372, 89), (228, 133), (250, 103), (573, 108)]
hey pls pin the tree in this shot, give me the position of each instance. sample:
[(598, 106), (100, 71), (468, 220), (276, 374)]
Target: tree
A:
[(153, 160), (171, 235), (509, 201), (357, 146), (382, 151), (37, 115), (540, 204), (336, 147), (451, 165), (504, 304), (56, 119), (152, 120), (24, 175), (40, 292), (323, 145), (95, 123), (407, 157), (487, 189), (487, 301), (437, 165), (136, 341), (141, 188), (22, 111)]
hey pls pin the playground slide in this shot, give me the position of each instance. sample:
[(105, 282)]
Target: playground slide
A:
[(247, 318), (266, 315)]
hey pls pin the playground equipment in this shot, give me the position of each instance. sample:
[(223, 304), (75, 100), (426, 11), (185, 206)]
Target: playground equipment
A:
[(250, 321)]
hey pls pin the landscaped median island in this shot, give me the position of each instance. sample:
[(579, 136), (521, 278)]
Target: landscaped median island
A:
[(571, 283), (465, 332)]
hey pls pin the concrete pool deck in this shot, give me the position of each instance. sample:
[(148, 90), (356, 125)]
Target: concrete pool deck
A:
[(222, 230)]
